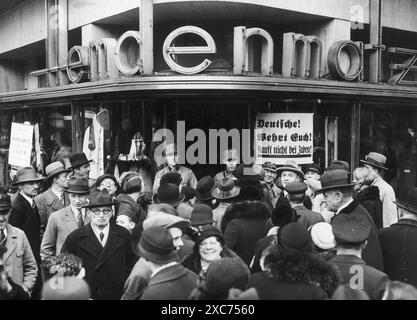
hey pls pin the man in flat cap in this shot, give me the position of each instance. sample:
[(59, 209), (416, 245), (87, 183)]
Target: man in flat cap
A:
[(271, 190), (338, 192), (230, 160), (351, 232), (375, 163)]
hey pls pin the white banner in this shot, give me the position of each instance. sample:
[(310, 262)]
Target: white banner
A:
[(280, 137), (20, 144)]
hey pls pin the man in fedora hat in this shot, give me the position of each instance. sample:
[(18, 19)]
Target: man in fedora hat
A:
[(81, 167), (203, 192), (399, 242), (225, 192), (52, 199), (104, 247), (171, 157), (375, 163), (230, 160), (18, 267), (25, 214), (351, 232), (338, 193), (270, 189), (169, 193), (169, 279), (62, 222)]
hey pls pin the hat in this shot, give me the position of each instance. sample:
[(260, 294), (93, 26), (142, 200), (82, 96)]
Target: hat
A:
[(66, 288), (270, 167), (314, 184), (205, 232), (188, 192), (166, 220), (294, 236), (170, 194), (230, 154), (224, 274), (322, 235), (290, 165), (283, 215), (103, 177), (411, 203), (334, 179), (171, 177), (27, 174), (170, 149), (77, 160), (225, 189), (376, 160), (201, 214), (204, 187), (77, 186), (100, 198), (339, 165), (131, 183), (156, 245), (352, 228), (5, 203), (312, 167), (54, 169), (296, 187)]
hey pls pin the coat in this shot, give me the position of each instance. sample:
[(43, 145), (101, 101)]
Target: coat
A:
[(399, 250), (372, 254), (244, 223), (47, 202), (307, 217), (17, 292), (369, 199), (106, 269), (137, 280), (187, 175), (387, 196), (355, 272), (18, 260), (22, 216), (60, 224), (129, 207), (172, 283)]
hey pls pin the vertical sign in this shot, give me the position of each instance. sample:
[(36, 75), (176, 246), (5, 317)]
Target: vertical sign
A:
[(280, 137), (20, 144)]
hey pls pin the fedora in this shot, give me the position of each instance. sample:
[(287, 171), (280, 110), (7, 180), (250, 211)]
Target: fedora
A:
[(166, 220), (100, 198), (225, 189), (376, 160), (156, 245), (170, 194), (27, 174), (411, 203), (202, 214), (335, 179), (54, 169), (5, 203), (290, 165), (77, 160), (204, 187), (339, 165), (77, 186)]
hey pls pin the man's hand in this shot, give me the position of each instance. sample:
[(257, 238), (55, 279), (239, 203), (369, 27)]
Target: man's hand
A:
[(4, 283)]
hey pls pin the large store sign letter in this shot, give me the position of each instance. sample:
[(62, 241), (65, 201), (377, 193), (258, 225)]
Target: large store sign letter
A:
[(170, 51)]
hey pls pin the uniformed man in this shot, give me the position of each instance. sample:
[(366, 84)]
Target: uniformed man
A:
[(270, 189), (230, 159)]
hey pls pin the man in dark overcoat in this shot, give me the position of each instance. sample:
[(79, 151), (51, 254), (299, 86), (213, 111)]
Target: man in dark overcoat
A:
[(399, 242), (104, 248)]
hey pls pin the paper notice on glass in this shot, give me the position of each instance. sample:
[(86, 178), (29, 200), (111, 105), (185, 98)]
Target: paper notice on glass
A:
[(20, 144)]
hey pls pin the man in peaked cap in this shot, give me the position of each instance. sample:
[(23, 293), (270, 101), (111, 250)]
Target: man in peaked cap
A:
[(187, 175), (297, 194), (62, 222), (375, 163), (270, 189), (25, 215), (52, 199), (399, 242), (351, 232), (105, 248), (230, 160), (338, 191)]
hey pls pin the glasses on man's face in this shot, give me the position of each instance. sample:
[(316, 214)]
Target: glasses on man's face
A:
[(96, 211)]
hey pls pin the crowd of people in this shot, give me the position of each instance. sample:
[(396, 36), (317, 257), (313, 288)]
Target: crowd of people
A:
[(251, 232)]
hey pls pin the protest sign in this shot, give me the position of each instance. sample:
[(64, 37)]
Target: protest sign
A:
[(20, 149)]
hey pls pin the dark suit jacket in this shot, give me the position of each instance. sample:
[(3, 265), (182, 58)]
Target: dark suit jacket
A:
[(25, 218), (173, 283), (353, 269), (372, 254), (106, 268), (399, 250), (307, 217)]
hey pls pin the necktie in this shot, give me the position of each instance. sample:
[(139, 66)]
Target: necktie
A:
[(33, 205), (2, 237), (80, 219), (61, 197), (101, 236)]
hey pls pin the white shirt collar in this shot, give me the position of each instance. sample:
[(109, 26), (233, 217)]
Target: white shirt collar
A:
[(29, 199), (163, 267), (58, 194), (75, 211), (97, 232), (343, 206)]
